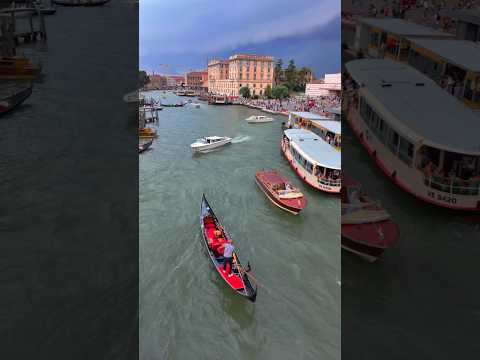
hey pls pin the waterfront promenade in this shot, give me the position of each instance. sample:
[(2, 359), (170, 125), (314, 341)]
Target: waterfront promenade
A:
[(317, 105)]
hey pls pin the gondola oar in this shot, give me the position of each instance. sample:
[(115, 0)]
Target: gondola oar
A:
[(243, 271)]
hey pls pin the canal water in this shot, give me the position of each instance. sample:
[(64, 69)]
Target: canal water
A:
[(422, 299), (186, 311)]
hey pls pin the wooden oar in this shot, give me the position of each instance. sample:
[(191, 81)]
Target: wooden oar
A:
[(243, 271)]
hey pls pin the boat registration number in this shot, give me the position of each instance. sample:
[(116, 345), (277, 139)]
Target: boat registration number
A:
[(444, 198)]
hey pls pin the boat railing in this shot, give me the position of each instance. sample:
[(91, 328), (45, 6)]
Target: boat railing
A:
[(330, 182), (453, 186)]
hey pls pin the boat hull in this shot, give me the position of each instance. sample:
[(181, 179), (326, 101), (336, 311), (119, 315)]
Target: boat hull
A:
[(210, 147), (404, 177), (11, 102), (369, 240)]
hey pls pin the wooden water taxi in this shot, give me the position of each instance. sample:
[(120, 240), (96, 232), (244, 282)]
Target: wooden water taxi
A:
[(16, 68), (280, 191), (366, 227)]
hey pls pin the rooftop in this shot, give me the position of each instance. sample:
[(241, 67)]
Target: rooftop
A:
[(314, 149), (251, 57), (463, 53), (416, 106), (403, 27)]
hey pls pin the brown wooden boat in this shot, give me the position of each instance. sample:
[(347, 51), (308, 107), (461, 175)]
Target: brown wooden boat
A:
[(367, 229), (280, 191)]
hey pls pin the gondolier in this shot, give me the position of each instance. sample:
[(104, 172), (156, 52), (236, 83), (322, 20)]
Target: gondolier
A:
[(228, 255)]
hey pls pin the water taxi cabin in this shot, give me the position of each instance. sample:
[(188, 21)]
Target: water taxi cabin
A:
[(422, 138), (390, 37), (327, 129), (314, 160), (454, 61)]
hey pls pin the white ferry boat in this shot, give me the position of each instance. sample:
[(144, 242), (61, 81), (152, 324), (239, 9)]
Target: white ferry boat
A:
[(425, 140), (329, 130), (313, 159)]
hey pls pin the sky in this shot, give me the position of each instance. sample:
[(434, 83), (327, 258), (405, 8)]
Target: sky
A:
[(182, 35)]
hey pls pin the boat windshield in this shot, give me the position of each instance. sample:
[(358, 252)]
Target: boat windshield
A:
[(448, 171)]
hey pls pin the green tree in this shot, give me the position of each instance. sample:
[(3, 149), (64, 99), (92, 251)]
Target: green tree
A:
[(304, 75), (291, 75), (277, 71), (245, 92), (143, 78), (280, 92), (268, 92)]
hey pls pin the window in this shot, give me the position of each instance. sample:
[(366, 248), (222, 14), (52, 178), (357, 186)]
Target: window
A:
[(405, 151)]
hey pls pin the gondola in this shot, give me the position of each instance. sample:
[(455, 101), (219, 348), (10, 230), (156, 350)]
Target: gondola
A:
[(145, 146), (213, 237), (10, 100)]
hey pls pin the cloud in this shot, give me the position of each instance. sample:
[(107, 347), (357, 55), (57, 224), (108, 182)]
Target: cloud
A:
[(204, 26)]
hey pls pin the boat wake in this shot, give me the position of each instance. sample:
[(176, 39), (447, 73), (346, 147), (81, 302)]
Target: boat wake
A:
[(240, 139)]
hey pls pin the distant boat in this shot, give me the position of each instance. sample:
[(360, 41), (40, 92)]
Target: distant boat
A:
[(367, 229), (145, 146), (11, 98), (280, 191), (80, 2), (195, 105), (147, 133), (257, 119), (210, 143), (18, 68)]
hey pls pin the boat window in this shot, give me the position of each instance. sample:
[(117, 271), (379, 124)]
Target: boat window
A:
[(405, 151), (393, 140), (450, 172), (374, 39)]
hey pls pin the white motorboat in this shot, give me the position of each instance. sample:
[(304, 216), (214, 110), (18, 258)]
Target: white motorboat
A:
[(259, 119), (209, 143), (195, 105)]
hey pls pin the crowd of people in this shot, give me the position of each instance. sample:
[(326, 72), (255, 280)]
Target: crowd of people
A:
[(317, 105)]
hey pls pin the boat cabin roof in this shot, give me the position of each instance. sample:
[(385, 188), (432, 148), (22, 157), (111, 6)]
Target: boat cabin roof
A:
[(308, 115), (214, 137), (330, 125), (463, 53), (403, 28), (335, 110), (416, 106), (313, 148)]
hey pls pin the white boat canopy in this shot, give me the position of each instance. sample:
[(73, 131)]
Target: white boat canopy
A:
[(330, 125), (416, 106), (403, 27), (308, 115), (463, 53), (314, 149)]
